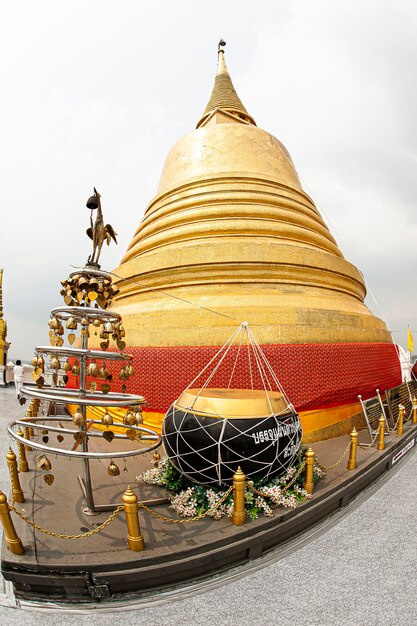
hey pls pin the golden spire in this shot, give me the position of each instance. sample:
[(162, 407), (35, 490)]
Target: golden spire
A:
[(224, 96)]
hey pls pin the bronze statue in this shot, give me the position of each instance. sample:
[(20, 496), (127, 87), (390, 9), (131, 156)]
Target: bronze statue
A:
[(97, 231)]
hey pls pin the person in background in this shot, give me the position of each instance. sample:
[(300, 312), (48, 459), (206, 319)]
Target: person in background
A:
[(18, 376)]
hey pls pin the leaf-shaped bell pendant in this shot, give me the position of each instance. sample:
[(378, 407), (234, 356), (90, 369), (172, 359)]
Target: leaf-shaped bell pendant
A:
[(43, 463), (78, 419), (112, 469)]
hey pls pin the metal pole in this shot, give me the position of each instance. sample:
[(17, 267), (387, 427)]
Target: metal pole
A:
[(23, 463), (86, 463), (381, 434), (13, 541), (308, 480), (239, 485), (353, 448), (134, 535), (17, 493), (400, 425)]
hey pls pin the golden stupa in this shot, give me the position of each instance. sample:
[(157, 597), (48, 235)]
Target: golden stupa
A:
[(232, 236)]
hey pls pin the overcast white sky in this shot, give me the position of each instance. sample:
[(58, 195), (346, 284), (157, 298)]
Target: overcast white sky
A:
[(95, 93)]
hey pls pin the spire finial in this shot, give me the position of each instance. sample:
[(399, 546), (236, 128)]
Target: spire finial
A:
[(224, 96)]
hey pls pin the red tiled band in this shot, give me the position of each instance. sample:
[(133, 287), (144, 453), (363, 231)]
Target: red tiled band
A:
[(313, 375)]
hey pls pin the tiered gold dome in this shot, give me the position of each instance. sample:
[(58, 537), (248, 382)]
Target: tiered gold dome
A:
[(232, 230)]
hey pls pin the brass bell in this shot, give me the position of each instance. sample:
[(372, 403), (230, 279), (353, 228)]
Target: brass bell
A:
[(139, 417), (96, 323), (82, 283), (123, 375), (107, 419), (75, 369), (112, 469), (115, 290), (92, 203), (93, 369), (41, 362), (55, 364), (103, 372), (44, 463), (53, 322), (156, 459), (35, 361), (84, 321), (108, 327), (122, 332), (78, 419), (129, 419), (93, 284), (104, 335), (72, 323), (67, 366), (59, 330), (130, 370)]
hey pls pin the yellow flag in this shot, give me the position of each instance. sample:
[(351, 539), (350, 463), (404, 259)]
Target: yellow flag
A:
[(410, 340)]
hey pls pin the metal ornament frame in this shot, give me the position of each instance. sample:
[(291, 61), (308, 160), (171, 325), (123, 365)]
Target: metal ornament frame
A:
[(84, 399)]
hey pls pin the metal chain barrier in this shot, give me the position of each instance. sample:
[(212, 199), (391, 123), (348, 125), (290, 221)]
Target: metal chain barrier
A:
[(266, 495), (51, 533), (189, 519), (330, 467), (90, 533)]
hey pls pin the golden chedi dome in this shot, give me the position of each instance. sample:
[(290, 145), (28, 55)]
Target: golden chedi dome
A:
[(232, 236)]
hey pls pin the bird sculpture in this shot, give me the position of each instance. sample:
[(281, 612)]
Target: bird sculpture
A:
[(97, 231)]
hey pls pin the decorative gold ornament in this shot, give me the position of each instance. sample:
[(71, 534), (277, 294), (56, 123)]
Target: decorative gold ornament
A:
[(60, 438), (105, 388), (72, 323), (156, 459), (92, 369), (40, 382), (78, 419), (49, 479), (54, 363), (104, 345), (112, 469), (107, 419), (75, 369), (43, 463), (121, 345), (92, 386), (131, 434), (129, 419), (103, 372), (35, 361), (67, 366), (108, 435), (79, 436)]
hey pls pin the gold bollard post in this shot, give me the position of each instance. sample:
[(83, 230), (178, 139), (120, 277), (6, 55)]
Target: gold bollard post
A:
[(21, 452), (400, 424), (27, 436), (239, 487), (13, 542), (381, 433), (414, 418), (17, 493), (308, 480), (353, 448), (134, 535)]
